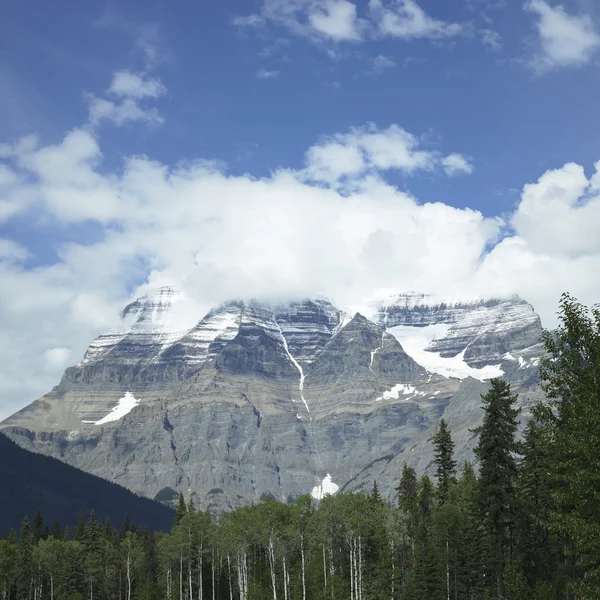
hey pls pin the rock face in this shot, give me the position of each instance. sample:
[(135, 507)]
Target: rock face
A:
[(279, 400)]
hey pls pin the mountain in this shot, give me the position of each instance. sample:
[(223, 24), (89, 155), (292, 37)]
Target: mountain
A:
[(31, 482), (280, 399)]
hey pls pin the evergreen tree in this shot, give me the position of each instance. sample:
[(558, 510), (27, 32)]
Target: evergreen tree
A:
[(570, 376), (38, 525), (496, 450), (444, 460), (375, 495), (181, 510)]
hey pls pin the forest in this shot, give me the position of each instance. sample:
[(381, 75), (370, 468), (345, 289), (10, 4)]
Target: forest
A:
[(522, 522)]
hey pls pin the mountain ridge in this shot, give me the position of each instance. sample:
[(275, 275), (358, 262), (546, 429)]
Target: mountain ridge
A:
[(273, 398)]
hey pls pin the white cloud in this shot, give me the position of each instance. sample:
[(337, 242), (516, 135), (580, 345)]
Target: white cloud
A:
[(382, 63), (369, 149), (126, 111), (131, 85), (132, 88), (490, 38), (12, 251), (339, 21), (456, 164), (293, 233), (564, 39), (56, 358), (263, 73), (249, 21), (560, 214), (406, 19), (335, 19)]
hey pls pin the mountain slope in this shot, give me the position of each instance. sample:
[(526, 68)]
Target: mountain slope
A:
[(272, 399), (30, 482)]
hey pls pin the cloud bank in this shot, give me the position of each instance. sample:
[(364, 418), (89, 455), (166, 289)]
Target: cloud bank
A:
[(334, 227)]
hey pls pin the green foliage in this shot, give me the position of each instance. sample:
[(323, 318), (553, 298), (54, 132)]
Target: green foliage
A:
[(444, 460)]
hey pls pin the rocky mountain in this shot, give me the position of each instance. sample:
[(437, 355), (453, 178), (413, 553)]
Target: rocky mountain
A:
[(276, 399)]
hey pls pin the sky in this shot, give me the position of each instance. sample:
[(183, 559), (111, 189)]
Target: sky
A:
[(288, 148)]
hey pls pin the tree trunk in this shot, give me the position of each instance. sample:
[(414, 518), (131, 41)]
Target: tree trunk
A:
[(213, 575), (303, 567), (285, 579), (272, 567), (200, 573), (324, 569), (447, 570), (181, 577)]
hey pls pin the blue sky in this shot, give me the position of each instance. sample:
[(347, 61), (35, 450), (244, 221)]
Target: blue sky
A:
[(485, 102), (293, 147)]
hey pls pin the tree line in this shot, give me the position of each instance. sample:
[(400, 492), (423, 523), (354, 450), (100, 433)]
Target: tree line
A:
[(522, 523)]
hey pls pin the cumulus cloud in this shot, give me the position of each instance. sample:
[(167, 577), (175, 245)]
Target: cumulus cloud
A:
[(369, 149), (291, 234), (456, 164), (131, 88), (131, 85), (406, 19), (339, 21), (564, 39)]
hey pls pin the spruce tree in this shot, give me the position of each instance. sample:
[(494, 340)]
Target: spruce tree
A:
[(408, 500), (444, 460), (375, 495), (570, 376), (181, 510), (496, 450)]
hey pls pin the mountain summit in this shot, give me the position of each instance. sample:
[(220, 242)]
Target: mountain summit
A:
[(276, 400)]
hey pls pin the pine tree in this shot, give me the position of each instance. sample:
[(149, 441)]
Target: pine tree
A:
[(444, 460), (38, 526), (408, 501), (375, 495), (570, 375), (181, 510), (496, 451), (190, 506)]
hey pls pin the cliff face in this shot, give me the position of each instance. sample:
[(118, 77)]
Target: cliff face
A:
[(260, 399)]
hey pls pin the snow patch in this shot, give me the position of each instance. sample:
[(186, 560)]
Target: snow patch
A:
[(325, 488), (414, 341), (401, 388), (298, 366), (374, 352), (125, 405)]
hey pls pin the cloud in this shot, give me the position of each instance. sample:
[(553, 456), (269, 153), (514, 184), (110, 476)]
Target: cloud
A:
[(263, 73), (490, 38), (339, 21), (368, 149), (565, 40), (335, 227), (336, 19), (456, 164), (12, 251), (381, 63), (131, 88), (406, 19), (131, 85), (249, 21), (56, 358)]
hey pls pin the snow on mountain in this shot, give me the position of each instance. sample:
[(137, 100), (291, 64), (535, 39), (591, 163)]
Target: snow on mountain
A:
[(124, 407), (417, 340), (460, 337), (326, 487)]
